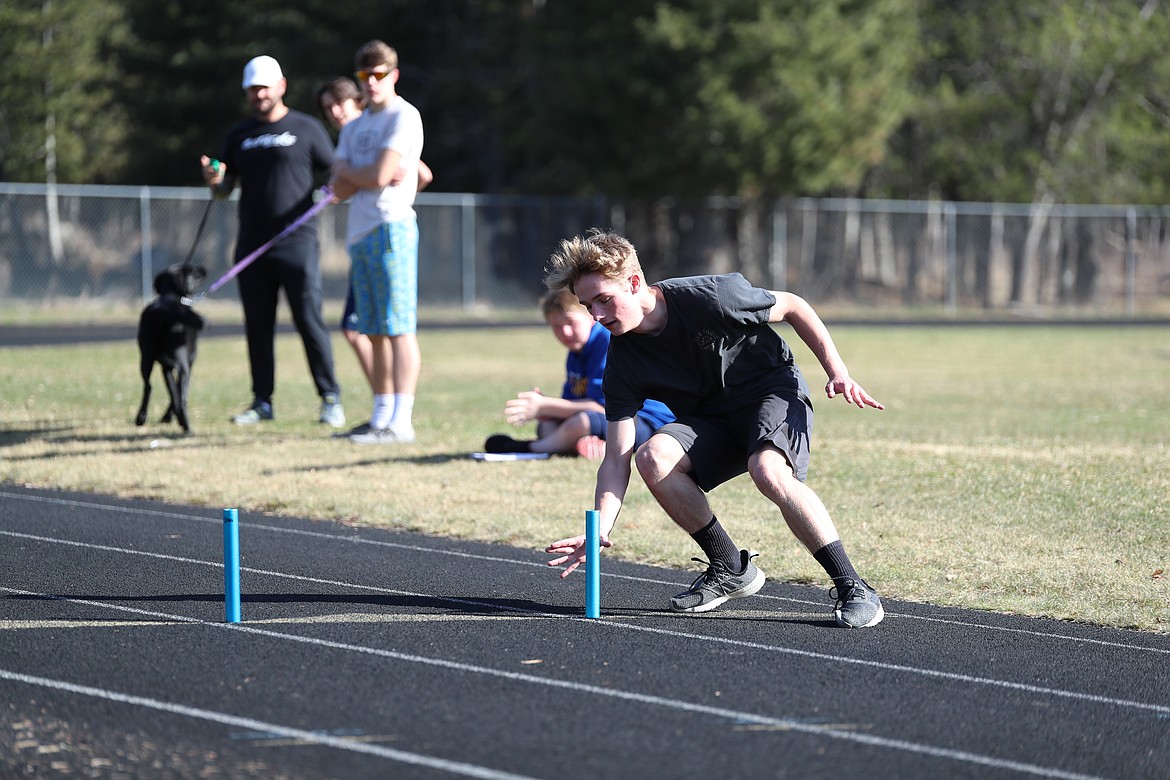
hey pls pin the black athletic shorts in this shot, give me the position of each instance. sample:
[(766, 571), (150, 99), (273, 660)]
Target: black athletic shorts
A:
[(719, 444)]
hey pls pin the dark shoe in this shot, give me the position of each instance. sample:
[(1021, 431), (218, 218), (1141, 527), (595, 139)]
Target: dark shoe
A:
[(718, 584), (354, 431), (499, 443), (858, 605)]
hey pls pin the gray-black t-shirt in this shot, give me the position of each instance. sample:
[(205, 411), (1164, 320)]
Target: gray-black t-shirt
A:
[(716, 354), (276, 164)]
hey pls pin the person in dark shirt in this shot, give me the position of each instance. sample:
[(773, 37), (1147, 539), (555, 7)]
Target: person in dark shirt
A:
[(705, 347), (275, 156)]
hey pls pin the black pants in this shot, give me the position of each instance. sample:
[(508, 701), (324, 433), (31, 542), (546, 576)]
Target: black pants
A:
[(294, 267)]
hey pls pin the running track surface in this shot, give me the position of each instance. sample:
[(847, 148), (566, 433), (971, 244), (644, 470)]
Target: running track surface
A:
[(373, 654)]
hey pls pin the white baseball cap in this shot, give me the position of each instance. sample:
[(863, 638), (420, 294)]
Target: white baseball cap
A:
[(262, 71)]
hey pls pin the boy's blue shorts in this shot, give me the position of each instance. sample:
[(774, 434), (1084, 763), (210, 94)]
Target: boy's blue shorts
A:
[(383, 275), (597, 427)]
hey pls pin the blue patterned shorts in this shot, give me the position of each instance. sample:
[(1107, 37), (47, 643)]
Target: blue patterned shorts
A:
[(383, 273)]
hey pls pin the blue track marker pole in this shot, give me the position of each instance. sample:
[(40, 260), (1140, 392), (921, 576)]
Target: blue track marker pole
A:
[(592, 564), (231, 566)]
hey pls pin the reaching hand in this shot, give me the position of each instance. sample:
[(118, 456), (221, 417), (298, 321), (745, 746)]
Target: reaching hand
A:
[(524, 407), (853, 392), (571, 551)]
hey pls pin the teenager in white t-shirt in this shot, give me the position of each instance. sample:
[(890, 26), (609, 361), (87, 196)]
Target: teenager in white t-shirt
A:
[(382, 235)]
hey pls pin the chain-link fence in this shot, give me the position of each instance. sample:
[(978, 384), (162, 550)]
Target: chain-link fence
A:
[(93, 242)]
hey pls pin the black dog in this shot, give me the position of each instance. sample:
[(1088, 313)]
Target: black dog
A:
[(167, 332)]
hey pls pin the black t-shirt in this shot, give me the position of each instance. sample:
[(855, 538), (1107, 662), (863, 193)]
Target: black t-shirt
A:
[(717, 352), (276, 164)]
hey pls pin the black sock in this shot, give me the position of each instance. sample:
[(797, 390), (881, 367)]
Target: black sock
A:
[(718, 545), (499, 443), (836, 563)]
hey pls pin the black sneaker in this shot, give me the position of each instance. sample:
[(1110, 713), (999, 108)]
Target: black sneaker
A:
[(858, 605), (718, 584), (355, 430), (499, 443)]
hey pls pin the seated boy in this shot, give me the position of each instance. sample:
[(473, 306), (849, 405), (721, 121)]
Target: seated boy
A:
[(575, 422)]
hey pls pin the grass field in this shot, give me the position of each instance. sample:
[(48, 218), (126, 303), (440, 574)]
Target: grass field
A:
[(1021, 469)]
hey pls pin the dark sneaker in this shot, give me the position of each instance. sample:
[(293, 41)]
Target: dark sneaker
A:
[(259, 412), (498, 444), (332, 413), (858, 605), (354, 431), (718, 584)]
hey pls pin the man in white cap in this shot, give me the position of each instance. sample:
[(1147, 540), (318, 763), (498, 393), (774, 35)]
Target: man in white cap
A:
[(276, 156)]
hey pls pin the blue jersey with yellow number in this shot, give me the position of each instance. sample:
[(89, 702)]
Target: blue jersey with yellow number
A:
[(584, 371)]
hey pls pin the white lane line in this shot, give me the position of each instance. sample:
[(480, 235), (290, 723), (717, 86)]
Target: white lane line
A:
[(340, 617), (24, 625), (515, 562), (300, 735), (1160, 709), (739, 718)]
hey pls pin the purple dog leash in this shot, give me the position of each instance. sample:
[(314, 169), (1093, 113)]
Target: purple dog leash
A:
[(326, 199)]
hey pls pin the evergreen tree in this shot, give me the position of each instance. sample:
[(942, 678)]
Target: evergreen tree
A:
[(61, 115)]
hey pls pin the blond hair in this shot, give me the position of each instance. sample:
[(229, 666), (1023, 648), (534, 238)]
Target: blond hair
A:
[(560, 301), (598, 252)]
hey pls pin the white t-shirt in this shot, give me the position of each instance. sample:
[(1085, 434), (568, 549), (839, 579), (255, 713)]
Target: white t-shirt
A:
[(398, 127)]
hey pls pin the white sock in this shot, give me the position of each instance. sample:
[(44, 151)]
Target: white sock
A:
[(403, 408), (383, 410)]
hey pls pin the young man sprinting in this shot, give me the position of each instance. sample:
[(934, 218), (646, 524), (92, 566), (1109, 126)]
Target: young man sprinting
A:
[(704, 346)]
